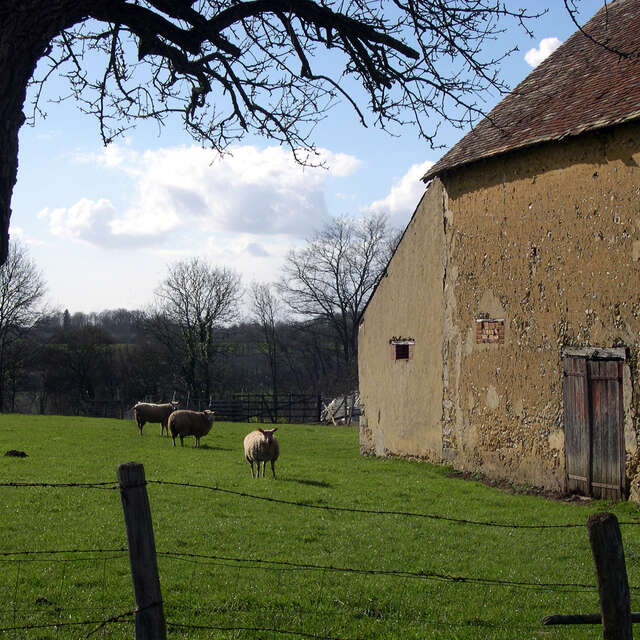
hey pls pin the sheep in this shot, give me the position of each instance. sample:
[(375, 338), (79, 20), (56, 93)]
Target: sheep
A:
[(185, 422), (148, 412), (260, 446)]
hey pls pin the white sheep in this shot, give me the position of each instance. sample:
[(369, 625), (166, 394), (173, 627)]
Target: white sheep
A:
[(148, 412), (260, 446), (185, 422)]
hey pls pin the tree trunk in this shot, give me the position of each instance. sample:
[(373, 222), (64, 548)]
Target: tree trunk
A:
[(26, 29)]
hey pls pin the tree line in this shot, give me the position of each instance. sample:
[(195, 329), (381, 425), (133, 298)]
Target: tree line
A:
[(205, 334)]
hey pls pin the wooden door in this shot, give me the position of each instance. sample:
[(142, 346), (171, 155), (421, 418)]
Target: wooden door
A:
[(593, 423), (577, 426), (607, 443)]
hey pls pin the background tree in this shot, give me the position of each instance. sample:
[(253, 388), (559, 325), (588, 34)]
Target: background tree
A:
[(266, 311), (333, 276), (78, 368), (22, 289), (230, 67), (195, 299)]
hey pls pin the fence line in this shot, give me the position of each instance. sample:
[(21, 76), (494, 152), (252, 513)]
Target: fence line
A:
[(21, 556), (47, 608), (64, 485), (285, 565), (300, 634), (306, 505), (55, 625), (295, 408), (58, 551), (408, 514), (435, 623), (566, 587)]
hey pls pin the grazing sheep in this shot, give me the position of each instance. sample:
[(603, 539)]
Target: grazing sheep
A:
[(190, 423), (260, 446), (147, 412)]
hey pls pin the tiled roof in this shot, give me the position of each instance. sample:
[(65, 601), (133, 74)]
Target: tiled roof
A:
[(584, 85)]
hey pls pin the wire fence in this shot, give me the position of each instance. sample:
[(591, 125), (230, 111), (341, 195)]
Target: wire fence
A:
[(81, 592), (292, 408)]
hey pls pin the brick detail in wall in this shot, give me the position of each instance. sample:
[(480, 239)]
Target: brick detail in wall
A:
[(489, 331)]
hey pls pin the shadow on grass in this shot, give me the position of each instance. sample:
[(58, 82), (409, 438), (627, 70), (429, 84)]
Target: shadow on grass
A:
[(311, 483), (210, 448)]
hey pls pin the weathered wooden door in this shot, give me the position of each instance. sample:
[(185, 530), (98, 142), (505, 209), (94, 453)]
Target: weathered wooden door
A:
[(593, 425)]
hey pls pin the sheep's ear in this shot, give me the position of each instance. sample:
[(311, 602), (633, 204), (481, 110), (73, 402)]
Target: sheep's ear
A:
[(274, 429), (260, 430)]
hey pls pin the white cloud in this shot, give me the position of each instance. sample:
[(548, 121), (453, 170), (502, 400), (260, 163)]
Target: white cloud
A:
[(403, 197), (112, 156), (547, 46), (97, 223), (190, 190)]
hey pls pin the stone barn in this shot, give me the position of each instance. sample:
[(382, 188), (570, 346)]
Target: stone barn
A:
[(504, 337)]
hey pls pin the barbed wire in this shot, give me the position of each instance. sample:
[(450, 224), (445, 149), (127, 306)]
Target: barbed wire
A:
[(286, 565), (411, 514), (117, 619), (13, 557), (290, 632), (109, 486), (280, 565), (314, 636), (57, 551), (422, 574)]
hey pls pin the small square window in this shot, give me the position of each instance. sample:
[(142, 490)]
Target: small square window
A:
[(402, 348), (402, 351)]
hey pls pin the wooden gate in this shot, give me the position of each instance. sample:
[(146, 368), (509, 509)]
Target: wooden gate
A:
[(593, 426)]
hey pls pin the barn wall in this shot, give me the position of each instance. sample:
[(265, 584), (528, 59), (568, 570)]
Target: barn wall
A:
[(549, 240), (403, 399)]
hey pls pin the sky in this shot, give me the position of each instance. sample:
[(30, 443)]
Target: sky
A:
[(104, 223)]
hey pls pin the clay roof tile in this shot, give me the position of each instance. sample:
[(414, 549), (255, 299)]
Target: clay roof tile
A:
[(590, 82)]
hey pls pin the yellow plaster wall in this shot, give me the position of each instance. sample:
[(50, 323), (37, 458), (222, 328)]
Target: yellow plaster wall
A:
[(403, 399), (549, 240)]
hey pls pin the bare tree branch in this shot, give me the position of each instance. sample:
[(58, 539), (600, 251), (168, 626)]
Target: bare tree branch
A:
[(333, 276), (198, 298), (269, 67)]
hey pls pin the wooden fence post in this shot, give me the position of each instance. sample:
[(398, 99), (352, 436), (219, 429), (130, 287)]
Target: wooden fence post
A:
[(150, 624), (613, 586)]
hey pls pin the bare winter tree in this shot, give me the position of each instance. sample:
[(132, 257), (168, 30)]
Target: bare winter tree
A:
[(267, 312), (333, 276), (197, 297), (228, 67), (22, 289)]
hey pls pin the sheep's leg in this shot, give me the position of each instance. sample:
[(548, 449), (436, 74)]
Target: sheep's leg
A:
[(197, 441), (251, 463), (174, 440), (264, 466), (273, 468), (181, 440)]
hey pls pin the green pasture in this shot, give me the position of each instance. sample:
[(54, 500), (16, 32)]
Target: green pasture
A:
[(235, 566)]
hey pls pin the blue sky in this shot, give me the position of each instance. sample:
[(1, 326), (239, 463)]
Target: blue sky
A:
[(103, 223)]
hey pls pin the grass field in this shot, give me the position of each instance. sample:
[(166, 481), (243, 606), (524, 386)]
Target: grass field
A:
[(233, 566)]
